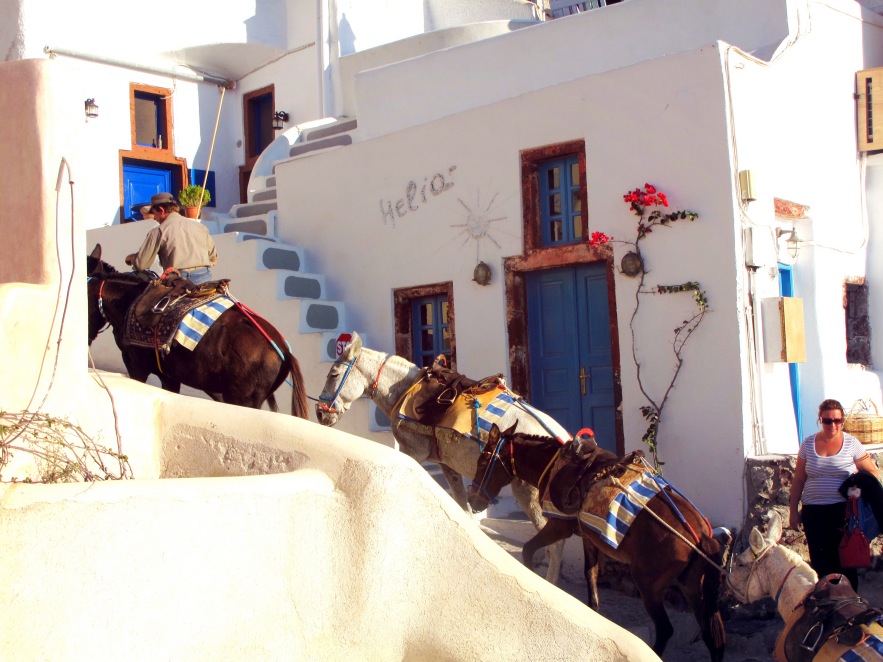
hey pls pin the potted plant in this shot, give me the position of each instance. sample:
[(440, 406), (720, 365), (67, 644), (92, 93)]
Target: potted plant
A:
[(192, 199)]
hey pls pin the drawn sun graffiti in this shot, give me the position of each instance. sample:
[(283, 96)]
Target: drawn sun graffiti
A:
[(478, 223)]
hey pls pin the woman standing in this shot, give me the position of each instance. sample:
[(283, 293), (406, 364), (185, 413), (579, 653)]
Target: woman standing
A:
[(824, 461)]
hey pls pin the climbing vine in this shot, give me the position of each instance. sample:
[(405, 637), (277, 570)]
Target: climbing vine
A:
[(648, 204), (61, 451)]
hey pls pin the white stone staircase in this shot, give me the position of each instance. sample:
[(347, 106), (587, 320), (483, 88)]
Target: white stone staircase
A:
[(259, 261)]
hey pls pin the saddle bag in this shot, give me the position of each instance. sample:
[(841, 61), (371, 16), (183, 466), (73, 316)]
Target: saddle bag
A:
[(855, 548)]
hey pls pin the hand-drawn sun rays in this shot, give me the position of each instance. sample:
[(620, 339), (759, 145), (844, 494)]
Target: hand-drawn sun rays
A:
[(478, 221)]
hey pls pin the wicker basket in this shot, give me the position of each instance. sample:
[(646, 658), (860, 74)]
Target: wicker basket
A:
[(864, 425)]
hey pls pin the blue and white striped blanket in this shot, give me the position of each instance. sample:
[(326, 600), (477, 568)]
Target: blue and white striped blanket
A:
[(870, 649), (195, 323), (611, 515)]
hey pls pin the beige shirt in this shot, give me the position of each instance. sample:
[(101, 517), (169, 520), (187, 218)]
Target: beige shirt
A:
[(180, 242)]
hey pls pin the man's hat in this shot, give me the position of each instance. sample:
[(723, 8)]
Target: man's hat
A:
[(161, 198)]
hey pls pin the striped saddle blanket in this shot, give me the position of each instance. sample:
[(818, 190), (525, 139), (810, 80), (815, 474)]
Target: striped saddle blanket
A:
[(473, 414), (611, 505), (185, 321)]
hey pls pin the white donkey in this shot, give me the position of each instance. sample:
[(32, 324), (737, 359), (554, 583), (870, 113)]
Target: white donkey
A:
[(767, 569), (386, 379)]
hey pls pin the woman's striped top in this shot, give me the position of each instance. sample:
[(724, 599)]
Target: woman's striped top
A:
[(825, 474)]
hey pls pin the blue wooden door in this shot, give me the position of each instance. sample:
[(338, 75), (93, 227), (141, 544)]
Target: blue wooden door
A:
[(140, 182), (571, 362)]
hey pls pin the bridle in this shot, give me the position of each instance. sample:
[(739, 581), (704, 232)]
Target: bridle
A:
[(326, 404), (101, 305), (480, 488), (743, 597)]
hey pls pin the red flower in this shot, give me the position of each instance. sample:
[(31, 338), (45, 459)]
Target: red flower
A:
[(599, 239), (650, 188), (662, 199)]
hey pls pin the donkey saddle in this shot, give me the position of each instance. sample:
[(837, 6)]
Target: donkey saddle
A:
[(832, 610), (441, 387), (154, 317)]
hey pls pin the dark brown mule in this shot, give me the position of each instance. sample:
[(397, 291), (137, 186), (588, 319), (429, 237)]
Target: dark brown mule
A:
[(233, 363), (657, 558)]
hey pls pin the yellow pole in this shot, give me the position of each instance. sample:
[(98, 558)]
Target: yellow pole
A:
[(210, 150)]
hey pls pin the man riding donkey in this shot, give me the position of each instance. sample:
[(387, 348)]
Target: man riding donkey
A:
[(181, 244)]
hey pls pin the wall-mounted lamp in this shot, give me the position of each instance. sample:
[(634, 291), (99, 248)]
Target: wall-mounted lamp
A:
[(482, 274), (280, 118), (792, 241), (746, 186), (91, 108)]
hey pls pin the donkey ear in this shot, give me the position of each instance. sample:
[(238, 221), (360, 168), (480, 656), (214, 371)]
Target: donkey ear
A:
[(96, 252), (756, 540), (493, 435), (774, 528), (356, 343)]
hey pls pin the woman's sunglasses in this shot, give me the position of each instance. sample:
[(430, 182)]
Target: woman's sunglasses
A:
[(832, 421)]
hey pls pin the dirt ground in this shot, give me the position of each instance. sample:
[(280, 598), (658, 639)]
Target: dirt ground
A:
[(750, 635)]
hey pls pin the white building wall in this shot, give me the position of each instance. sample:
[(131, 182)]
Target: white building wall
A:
[(651, 122), (794, 128)]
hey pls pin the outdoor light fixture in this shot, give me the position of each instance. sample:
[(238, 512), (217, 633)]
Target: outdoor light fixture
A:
[(91, 108), (280, 118), (792, 241), (482, 274)]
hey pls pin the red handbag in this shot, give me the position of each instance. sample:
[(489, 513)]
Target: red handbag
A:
[(855, 548)]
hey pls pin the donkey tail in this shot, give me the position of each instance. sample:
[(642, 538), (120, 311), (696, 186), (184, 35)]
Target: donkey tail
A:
[(711, 584), (298, 390)]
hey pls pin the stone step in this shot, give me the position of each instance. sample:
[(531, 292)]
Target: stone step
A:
[(322, 316), (299, 149), (264, 224), (297, 285), (276, 255), (252, 209), (343, 125), (264, 195), (245, 236)]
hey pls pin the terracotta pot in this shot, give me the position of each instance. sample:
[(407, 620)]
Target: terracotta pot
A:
[(191, 212)]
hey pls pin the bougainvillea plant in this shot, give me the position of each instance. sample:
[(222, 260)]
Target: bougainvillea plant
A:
[(649, 204), (599, 239)]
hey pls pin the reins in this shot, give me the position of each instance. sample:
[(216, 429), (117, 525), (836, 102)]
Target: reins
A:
[(250, 315)]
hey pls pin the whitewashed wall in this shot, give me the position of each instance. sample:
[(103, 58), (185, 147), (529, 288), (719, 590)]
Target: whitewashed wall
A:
[(801, 146), (650, 122)]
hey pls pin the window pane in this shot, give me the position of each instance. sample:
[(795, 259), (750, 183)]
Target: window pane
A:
[(145, 121), (574, 174), (554, 176), (444, 312), (446, 340), (556, 230), (554, 204), (577, 226), (427, 338), (425, 314), (575, 203)]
